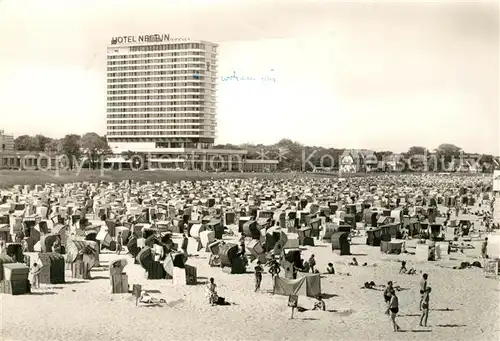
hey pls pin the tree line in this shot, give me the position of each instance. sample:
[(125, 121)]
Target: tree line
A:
[(289, 153), (91, 146)]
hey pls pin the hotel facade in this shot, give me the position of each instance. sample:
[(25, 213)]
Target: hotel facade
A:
[(161, 101)]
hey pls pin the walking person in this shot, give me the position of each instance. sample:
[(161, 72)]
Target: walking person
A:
[(119, 243), (35, 276), (425, 307), (258, 275), (484, 248), (184, 246), (387, 293), (393, 309)]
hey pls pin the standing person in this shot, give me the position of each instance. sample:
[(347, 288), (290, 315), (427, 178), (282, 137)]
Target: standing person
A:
[(387, 293), (425, 307), (423, 287), (184, 246), (393, 309), (119, 243), (35, 276), (484, 248), (312, 263), (274, 268), (242, 245), (258, 275)]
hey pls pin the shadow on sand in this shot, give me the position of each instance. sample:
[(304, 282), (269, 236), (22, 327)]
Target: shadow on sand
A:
[(327, 296), (75, 282), (414, 331), (150, 305), (309, 319), (446, 309), (41, 293), (451, 325), (174, 303), (99, 277), (409, 315), (358, 254)]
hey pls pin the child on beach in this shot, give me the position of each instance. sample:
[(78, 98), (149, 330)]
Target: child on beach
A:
[(35, 276), (211, 292), (424, 306), (387, 292), (319, 304), (403, 268), (258, 276), (330, 270)]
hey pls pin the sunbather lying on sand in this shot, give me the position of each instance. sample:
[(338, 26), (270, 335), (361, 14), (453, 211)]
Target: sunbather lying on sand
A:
[(145, 298)]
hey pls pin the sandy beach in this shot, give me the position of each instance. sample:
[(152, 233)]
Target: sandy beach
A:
[(464, 304)]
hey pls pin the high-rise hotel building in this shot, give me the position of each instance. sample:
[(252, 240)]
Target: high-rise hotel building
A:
[(161, 93), (161, 100)]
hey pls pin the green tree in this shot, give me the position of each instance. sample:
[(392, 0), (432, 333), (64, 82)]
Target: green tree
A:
[(40, 142), (417, 150), (54, 146), (70, 146), (95, 147), (23, 142)]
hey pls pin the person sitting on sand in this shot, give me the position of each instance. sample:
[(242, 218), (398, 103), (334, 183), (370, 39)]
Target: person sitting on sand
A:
[(330, 270), (403, 268), (211, 292), (354, 262), (306, 267), (319, 304), (145, 298), (369, 285)]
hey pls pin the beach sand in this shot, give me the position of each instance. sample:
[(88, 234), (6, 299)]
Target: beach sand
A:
[(464, 304)]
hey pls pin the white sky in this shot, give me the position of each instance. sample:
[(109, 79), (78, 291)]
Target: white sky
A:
[(355, 75)]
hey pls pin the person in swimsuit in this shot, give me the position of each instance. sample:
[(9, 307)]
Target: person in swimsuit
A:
[(387, 293), (425, 307), (423, 288), (393, 310)]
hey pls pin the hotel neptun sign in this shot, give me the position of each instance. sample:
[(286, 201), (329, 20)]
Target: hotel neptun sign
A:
[(151, 38)]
